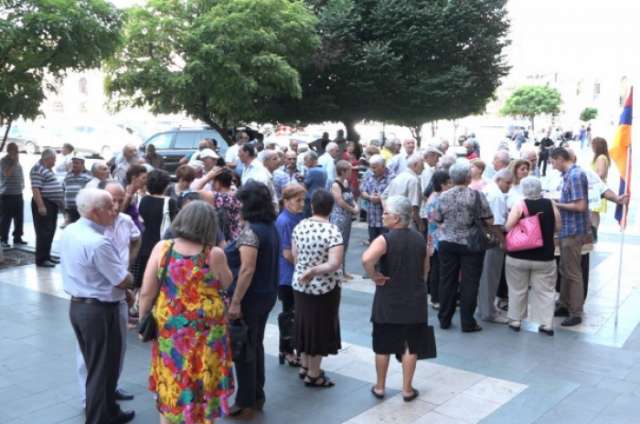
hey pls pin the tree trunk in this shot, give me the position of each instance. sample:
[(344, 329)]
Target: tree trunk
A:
[(352, 134), (434, 128), (6, 134), (533, 128)]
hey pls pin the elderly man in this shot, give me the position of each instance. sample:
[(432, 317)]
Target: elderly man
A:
[(232, 157), (125, 236), (496, 193), (328, 162), (95, 277), (121, 164), (390, 149), (530, 155), (100, 172), (11, 201), (287, 174), (205, 143), (373, 185), (208, 160), (253, 169), (73, 182), (398, 163), (407, 184), (500, 161), (47, 199), (431, 156)]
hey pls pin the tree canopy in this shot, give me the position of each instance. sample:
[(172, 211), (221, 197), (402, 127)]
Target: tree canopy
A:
[(588, 113), (216, 60), (404, 61), (40, 40), (530, 101)]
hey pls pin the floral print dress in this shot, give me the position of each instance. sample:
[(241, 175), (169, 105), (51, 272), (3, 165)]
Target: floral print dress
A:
[(191, 359)]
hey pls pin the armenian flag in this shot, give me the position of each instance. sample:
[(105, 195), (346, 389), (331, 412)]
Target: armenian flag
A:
[(620, 153)]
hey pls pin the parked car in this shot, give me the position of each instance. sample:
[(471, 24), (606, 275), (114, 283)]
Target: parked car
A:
[(177, 143), (33, 139)]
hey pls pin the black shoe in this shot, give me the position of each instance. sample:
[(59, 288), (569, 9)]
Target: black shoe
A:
[(55, 261), (46, 264), (561, 311), (472, 329), (123, 417), (5, 245), (19, 242), (445, 325), (514, 327), (545, 330), (123, 395), (571, 321), (260, 404)]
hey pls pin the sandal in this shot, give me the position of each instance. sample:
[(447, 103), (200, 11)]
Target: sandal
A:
[(303, 372), (323, 382), (376, 394), (294, 363), (412, 396)]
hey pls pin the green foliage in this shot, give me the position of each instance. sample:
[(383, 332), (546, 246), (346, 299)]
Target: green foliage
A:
[(40, 40), (216, 60), (402, 61), (588, 113), (532, 100)]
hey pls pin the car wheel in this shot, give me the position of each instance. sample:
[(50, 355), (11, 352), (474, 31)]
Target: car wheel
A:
[(106, 152), (30, 148)]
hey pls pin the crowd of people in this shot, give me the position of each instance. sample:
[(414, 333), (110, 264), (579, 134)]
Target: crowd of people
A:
[(208, 256)]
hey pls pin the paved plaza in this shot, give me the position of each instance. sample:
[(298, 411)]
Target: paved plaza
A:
[(583, 375)]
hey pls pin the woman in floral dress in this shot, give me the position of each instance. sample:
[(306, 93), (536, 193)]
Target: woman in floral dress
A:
[(344, 207), (191, 359)]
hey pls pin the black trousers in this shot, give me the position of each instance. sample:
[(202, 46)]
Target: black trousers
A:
[(12, 209), (250, 374), (97, 330), (433, 283), (456, 259), (45, 227), (73, 214), (285, 295), (542, 164)]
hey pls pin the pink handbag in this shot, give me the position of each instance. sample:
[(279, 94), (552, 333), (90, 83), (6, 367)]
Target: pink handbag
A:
[(526, 234)]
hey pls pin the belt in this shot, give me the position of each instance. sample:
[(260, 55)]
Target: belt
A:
[(92, 301)]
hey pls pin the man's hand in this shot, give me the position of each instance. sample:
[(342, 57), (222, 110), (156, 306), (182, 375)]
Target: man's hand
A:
[(42, 210), (623, 200), (379, 279), (235, 311)]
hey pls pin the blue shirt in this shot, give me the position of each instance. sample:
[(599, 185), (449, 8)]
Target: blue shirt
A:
[(574, 187), (284, 224), (314, 179), (91, 266)]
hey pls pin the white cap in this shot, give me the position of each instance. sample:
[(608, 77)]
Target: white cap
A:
[(207, 153)]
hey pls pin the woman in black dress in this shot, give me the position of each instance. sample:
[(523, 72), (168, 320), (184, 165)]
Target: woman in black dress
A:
[(399, 313)]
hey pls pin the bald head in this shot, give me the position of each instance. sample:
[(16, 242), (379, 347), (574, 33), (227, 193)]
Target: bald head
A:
[(117, 193), (501, 160)]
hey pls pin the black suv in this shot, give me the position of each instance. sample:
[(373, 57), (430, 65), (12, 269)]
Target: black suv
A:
[(177, 143)]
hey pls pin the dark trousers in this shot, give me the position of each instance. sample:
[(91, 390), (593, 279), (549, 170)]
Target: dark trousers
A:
[(45, 227), (542, 164), (585, 266), (285, 319), (433, 283), (12, 210), (72, 214), (250, 374), (97, 330), (374, 232), (456, 259)]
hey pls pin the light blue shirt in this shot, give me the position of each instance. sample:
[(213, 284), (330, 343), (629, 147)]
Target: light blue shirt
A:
[(91, 265), (327, 162)]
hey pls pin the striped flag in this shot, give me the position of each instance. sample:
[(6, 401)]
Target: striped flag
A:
[(620, 152)]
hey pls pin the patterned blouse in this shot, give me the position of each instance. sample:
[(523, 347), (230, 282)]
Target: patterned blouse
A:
[(457, 210), (313, 239), (231, 211)]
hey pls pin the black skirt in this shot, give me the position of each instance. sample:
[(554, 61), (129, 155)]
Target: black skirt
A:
[(394, 339), (317, 323)]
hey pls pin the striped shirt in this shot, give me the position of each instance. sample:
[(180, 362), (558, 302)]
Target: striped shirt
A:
[(14, 183), (45, 180), (72, 185)]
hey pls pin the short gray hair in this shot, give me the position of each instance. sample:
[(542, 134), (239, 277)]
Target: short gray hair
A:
[(331, 146), (531, 188), (197, 222), (503, 174), (96, 164), (503, 156), (48, 154), (460, 172), (413, 159), (90, 199), (311, 155), (400, 206), (445, 162), (376, 160)]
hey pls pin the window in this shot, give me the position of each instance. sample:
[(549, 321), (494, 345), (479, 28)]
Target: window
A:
[(222, 144), (161, 141), (187, 140)]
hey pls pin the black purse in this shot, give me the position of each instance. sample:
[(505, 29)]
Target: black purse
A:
[(481, 237), (148, 327), (240, 347)]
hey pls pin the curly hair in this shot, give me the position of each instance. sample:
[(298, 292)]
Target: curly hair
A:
[(256, 202)]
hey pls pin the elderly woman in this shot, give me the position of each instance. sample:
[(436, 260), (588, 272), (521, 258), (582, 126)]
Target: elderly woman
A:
[(477, 170), (520, 169), (535, 268), (344, 206), (399, 313), (292, 213), (318, 252), (255, 290), (458, 209), (191, 359), (440, 182)]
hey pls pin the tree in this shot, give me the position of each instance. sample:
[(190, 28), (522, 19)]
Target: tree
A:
[(405, 61), (588, 113), (216, 60), (41, 40), (532, 100)]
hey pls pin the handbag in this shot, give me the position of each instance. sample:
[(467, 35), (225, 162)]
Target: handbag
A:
[(526, 234), (481, 237), (240, 345), (148, 327)]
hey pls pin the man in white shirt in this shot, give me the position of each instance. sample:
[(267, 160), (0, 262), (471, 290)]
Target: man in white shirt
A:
[(398, 163), (496, 193), (501, 160), (254, 170), (431, 155), (328, 162), (407, 184), (232, 158)]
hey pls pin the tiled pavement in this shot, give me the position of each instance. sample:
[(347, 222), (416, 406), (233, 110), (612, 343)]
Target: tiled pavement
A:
[(591, 375)]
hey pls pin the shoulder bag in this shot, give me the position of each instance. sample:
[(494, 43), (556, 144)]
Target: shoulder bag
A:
[(481, 237), (148, 328), (526, 234)]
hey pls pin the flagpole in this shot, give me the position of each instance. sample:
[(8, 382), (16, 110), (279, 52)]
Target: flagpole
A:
[(619, 277), (623, 227)]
